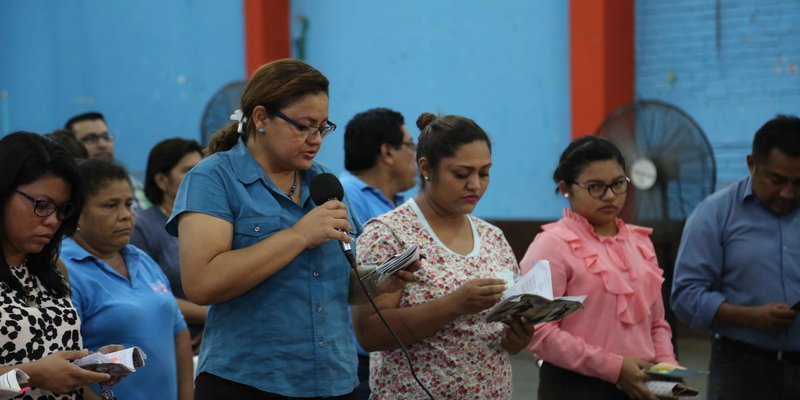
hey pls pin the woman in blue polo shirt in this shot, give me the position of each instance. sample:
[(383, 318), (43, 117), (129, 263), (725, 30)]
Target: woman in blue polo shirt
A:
[(120, 293), (256, 247)]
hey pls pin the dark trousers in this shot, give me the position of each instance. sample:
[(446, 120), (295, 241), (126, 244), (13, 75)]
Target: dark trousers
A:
[(557, 383), (363, 378), (212, 387), (740, 371)]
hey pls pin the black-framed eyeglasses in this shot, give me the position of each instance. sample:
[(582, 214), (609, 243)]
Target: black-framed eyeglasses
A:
[(93, 138), (619, 186), (308, 130), (411, 145), (45, 208)]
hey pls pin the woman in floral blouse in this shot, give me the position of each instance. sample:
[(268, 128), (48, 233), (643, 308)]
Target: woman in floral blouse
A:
[(440, 316)]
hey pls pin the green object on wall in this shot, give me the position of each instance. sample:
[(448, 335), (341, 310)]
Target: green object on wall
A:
[(300, 40)]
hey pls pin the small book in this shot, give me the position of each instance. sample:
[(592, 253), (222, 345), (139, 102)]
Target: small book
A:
[(532, 297), (670, 389), (396, 262), (11, 384), (117, 364), (673, 371)]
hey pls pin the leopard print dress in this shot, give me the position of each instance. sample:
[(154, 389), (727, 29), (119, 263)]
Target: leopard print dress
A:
[(35, 324)]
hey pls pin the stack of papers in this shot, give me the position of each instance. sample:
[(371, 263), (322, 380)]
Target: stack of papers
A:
[(117, 364), (669, 387), (399, 261)]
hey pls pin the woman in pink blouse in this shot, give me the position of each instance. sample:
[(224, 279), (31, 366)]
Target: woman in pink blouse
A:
[(599, 352), (439, 317)]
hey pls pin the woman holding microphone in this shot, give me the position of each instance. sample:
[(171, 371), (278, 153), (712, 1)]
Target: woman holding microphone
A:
[(263, 255)]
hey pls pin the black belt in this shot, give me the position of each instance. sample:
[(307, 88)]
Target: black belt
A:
[(773, 355)]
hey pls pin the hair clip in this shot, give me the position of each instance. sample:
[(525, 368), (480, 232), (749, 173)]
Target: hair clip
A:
[(239, 117)]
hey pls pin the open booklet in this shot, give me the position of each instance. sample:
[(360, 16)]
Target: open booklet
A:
[(532, 297), (117, 364), (11, 384)]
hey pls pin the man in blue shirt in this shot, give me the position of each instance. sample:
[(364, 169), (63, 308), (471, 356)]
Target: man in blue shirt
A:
[(738, 272), (91, 130), (380, 158)]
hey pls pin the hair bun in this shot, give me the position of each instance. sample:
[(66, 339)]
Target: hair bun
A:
[(424, 120)]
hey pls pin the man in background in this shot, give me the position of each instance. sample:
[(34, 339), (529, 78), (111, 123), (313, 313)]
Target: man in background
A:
[(738, 272), (380, 159), (91, 130)]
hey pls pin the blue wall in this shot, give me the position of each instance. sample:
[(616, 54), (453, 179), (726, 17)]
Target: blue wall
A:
[(503, 64), (731, 65), (151, 66), (148, 65)]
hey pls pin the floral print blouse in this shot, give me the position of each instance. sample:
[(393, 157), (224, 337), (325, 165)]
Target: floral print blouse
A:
[(464, 360)]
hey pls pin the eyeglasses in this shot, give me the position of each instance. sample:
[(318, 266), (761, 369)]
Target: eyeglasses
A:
[(598, 190), (411, 145), (308, 130), (93, 138), (45, 208)]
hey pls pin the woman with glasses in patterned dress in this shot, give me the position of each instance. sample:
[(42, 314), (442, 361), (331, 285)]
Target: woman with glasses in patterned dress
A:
[(257, 249), (40, 194), (601, 351)]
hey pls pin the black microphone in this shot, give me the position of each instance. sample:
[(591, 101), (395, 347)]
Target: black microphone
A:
[(324, 187)]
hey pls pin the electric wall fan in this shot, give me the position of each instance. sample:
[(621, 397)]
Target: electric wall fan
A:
[(669, 160), (219, 109)]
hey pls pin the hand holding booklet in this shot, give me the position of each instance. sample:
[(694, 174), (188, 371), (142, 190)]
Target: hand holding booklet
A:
[(117, 364), (532, 297)]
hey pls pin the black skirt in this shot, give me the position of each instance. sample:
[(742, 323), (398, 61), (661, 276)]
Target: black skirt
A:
[(556, 383)]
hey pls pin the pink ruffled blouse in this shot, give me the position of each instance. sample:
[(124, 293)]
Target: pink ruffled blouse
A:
[(623, 314)]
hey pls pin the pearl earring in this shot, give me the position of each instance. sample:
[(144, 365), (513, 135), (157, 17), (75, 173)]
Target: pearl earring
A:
[(425, 177), (260, 130), (566, 195)]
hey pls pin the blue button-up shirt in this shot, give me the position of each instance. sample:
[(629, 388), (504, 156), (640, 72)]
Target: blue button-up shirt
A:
[(368, 201), (736, 251), (290, 334)]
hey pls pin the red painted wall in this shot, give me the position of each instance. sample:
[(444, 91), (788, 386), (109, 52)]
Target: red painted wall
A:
[(266, 32), (602, 64)]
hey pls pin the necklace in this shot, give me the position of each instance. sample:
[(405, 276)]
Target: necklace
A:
[(290, 193)]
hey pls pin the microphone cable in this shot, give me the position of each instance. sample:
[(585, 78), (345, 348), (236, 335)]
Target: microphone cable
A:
[(386, 324), (325, 187)]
